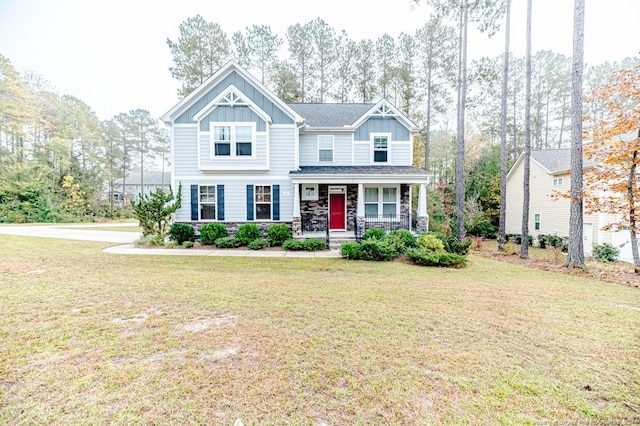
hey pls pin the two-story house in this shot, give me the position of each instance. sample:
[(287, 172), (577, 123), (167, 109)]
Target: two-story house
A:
[(243, 155)]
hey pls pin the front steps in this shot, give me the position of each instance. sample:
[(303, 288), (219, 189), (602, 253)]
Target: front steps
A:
[(336, 238)]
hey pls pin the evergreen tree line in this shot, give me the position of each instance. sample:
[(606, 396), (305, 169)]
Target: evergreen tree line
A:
[(58, 161)]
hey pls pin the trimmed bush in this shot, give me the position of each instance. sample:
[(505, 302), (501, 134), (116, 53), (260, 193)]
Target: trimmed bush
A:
[(293, 245), (188, 244), (278, 234), (247, 232), (314, 244), (350, 250), (605, 252), (210, 232), (228, 242), (376, 233), (409, 240), (181, 232), (431, 242), (377, 250), (258, 244), (426, 257)]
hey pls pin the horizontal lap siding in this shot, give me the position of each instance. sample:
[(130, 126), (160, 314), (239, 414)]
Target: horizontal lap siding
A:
[(237, 162), (400, 154), (362, 154), (342, 150), (185, 158)]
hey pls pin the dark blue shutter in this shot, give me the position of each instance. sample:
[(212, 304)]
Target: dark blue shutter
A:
[(220, 199), (276, 202), (249, 202), (194, 202)]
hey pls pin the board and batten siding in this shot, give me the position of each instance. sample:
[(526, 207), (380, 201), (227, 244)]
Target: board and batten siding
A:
[(342, 149), (236, 114), (382, 125), (251, 92)]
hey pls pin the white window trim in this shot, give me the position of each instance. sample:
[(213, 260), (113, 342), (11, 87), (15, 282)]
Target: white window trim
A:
[(559, 181), (255, 204), (304, 197), (539, 222), (333, 148), (215, 204), (232, 125), (372, 136), (381, 197)]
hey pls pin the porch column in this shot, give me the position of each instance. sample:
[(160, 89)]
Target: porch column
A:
[(296, 224), (423, 216), (360, 213)]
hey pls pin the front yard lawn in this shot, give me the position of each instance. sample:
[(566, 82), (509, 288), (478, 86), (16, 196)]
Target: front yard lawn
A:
[(92, 338)]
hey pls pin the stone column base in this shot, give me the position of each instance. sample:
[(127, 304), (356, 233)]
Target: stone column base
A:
[(296, 226), (422, 224)]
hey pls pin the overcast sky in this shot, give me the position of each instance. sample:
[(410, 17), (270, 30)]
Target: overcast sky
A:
[(113, 54)]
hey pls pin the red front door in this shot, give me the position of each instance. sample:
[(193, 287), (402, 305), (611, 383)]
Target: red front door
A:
[(336, 211)]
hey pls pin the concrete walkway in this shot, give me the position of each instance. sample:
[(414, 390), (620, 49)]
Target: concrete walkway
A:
[(80, 232)]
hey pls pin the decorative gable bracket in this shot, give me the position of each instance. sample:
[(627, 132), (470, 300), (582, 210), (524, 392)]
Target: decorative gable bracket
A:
[(231, 97)]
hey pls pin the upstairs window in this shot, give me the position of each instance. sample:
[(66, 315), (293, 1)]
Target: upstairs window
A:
[(536, 221), (380, 149), (325, 148), (233, 140), (558, 181)]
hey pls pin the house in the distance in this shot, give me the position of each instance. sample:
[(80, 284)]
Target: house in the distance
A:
[(135, 184), (550, 173), (243, 155)]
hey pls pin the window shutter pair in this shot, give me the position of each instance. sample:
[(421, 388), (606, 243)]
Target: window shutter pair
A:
[(195, 214), (275, 201)]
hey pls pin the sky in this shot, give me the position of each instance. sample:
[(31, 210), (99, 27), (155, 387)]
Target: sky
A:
[(112, 54)]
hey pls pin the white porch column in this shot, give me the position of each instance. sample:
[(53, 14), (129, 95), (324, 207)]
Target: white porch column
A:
[(360, 209), (422, 201), (296, 200)]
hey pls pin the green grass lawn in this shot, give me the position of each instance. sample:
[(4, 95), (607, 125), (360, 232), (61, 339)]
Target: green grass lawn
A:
[(91, 338)]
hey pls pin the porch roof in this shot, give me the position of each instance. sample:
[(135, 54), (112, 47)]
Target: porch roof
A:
[(359, 174)]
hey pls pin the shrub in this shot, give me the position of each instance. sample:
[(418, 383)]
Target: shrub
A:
[(210, 232), (514, 238), (278, 234), (293, 245), (454, 246), (314, 244), (181, 232), (425, 257), (431, 242), (258, 244), (247, 232), (605, 252), (350, 250), (409, 240), (187, 244), (542, 241), (373, 249), (376, 233), (228, 242)]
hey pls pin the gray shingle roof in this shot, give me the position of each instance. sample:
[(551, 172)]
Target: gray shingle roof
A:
[(359, 170), (150, 178), (331, 115), (556, 160)]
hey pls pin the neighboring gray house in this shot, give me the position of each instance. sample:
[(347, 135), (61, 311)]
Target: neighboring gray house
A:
[(133, 186), (243, 155)]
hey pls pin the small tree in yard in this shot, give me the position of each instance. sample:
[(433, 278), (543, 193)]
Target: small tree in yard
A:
[(614, 144), (154, 211)]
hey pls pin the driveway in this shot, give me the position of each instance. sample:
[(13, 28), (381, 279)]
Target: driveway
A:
[(75, 232)]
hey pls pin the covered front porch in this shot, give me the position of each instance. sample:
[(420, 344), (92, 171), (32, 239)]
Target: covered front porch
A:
[(346, 201)]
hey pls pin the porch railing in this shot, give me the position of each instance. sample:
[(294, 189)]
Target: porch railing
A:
[(389, 223)]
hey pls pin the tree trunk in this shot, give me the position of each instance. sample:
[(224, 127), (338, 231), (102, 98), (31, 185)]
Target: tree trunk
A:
[(575, 256), (462, 98), (502, 233), (524, 246), (632, 213)]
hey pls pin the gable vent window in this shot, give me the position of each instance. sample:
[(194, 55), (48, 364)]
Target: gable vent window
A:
[(233, 140), (380, 149), (325, 148)]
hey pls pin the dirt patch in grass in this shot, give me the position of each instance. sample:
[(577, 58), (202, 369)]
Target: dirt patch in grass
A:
[(549, 260)]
